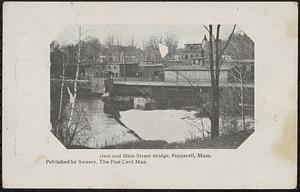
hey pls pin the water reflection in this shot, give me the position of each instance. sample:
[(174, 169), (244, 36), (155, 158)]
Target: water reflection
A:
[(107, 131)]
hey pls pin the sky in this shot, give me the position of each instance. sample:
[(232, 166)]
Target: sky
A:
[(183, 33)]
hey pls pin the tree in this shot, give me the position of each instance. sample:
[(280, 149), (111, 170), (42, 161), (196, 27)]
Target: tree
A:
[(56, 57), (239, 73), (215, 59), (132, 42), (110, 41), (244, 44), (152, 48), (72, 122), (61, 93), (153, 42), (216, 48), (90, 49), (73, 97), (229, 110), (171, 42)]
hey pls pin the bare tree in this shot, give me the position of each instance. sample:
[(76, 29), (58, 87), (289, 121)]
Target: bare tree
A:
[(73, 96), (212, 108), (110, 40), (239, 75), (153, 42), (79, 131), (90, 49), (118, 40), (73, 126), (132, 42), (144, 49), (171, 42), (215, 65)]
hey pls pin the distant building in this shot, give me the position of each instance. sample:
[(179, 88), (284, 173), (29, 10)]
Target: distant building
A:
[(129, 69), (115, 62), (193, 54), (177, 57), (127, 59), (194, 73), (110, 70), (152, 72)]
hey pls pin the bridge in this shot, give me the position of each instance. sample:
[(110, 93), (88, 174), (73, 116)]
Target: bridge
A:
[(165, 93), (178, 84), (97, 84)]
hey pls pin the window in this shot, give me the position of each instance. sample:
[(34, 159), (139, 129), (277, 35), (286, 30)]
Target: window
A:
[(201, 62), (109, 67), (116, 75), (197, 56), (115, 67), (185, 56), (192, 56), (156, 73)]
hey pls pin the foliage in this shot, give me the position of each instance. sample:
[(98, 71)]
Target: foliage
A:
[(244, 47), (79, 132)]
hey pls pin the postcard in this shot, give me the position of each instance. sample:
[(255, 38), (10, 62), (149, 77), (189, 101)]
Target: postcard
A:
[(158, 95)]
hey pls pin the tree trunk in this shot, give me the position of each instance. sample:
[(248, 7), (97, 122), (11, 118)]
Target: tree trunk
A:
[(214, 71), (215, 113)]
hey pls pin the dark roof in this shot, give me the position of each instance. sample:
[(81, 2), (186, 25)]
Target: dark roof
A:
[(152, 65), (195, 67), (193, 47), (186, 67), (243, 61)]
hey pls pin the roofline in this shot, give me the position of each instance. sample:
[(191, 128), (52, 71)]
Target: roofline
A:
[(193, 44), (193, 50), (243, 60), (193, 69), (151, 65)]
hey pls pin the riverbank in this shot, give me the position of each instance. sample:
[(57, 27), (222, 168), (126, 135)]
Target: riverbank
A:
[(230, 141)]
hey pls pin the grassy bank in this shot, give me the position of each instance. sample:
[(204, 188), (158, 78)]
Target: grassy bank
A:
[(231, 141)]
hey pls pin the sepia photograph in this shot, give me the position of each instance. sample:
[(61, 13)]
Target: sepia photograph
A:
[(150, 95), (152, 86)]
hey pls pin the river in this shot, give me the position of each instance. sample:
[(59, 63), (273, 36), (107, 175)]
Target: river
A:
[(105, 129), (169, 125)]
